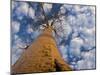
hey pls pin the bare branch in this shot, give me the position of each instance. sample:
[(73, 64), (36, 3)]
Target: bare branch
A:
[(43, 12), (87, 50), (56, 17)]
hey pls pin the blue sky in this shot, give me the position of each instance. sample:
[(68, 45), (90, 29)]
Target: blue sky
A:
[(75, 30)]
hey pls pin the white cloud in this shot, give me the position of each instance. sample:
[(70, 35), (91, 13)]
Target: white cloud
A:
[(23, 8), (84, 16), (88, 32), (88, 61), (89, 55), (85, 64), (71, 20), (32, 13), (14, 4), (89, 37), (63, 49), (15, 26), (47, 7), (76, 52), (29, 29), (77, 8), (93, 10), (76, 42), (75, 45), (68, 7), (81, 64), (62, 10), (35, 34), (18, 43), (85, 23)]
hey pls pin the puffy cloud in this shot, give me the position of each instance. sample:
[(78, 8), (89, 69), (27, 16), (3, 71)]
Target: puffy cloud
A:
[(89, 37), (81, 64), (22, 8), (34, 34), (14, 4), (81, 20), (71, 20), (79, 15), (68, 7), (88, 32), (29, 29), (63, 49), (15, 26), (76, 42), (32, 13), (47, 7), (85, 64), (90, 55), (19, 43), (86, 21), (88, 61)]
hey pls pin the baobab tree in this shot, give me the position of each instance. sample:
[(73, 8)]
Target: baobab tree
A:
[(73, 28), (42, 55)]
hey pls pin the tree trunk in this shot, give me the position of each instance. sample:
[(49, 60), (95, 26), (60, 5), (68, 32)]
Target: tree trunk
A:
[(41, 56)]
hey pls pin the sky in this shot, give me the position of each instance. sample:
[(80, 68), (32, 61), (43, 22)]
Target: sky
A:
[(75, 29)]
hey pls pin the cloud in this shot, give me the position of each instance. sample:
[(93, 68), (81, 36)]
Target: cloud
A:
[(32, 13), (76, 42), (47, 7), (63, 49), (89, 37), (90, 55), (29, 29), (81, 20), (88, 61), (75, 46), (78, 15), (85, 64), (15, 26), (22, 8), (14, 4)]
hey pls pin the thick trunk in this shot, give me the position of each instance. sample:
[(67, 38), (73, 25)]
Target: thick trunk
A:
[(41, 56)]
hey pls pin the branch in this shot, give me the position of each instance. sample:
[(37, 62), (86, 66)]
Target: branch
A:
[(56, 17), (43, 12), (24, 47), (86, 50)]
